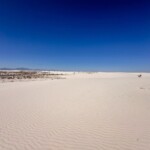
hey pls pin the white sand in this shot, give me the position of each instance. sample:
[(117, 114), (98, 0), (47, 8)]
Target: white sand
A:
[(98, 111)]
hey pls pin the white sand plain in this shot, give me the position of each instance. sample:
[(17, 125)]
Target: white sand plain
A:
[(85, 111)]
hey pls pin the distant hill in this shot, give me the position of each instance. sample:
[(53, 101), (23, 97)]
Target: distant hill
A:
[(17, 69)]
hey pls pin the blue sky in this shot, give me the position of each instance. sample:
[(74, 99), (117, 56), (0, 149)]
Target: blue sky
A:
[(104, 35)]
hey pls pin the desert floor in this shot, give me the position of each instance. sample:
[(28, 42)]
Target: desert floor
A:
[(85, 111)]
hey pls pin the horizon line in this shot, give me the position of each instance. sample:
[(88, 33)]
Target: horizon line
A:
[(68, 70)]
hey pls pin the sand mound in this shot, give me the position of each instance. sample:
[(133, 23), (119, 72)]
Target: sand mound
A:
[(91, 113)]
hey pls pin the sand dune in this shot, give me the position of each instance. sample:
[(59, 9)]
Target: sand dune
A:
[(85, 111)]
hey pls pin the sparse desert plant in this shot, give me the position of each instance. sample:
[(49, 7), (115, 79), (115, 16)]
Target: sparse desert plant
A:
[(139, 75)]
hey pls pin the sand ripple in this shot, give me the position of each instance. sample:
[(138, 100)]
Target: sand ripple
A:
[(73, 114)]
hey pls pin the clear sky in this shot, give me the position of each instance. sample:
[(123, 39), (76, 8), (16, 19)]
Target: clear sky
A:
[(88, 35)]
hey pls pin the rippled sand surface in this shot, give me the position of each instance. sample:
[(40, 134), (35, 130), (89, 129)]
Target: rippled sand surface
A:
[(100, 111)]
